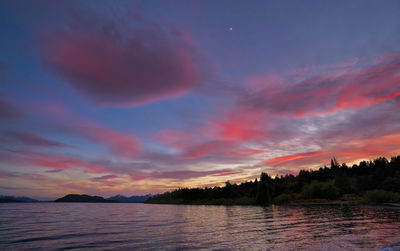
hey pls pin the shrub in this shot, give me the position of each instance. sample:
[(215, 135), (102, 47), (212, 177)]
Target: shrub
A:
[(325, 190), (392, 184), (283, 199), (342, 182), (381, 196), (330, 191)]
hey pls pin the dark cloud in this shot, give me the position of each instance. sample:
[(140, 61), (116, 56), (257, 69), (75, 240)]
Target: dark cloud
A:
[(33, 139), (104, 177), (8, 110)]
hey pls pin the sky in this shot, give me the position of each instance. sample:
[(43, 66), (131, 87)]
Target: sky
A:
[(137, 97)]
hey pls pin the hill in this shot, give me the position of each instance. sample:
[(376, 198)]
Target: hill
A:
[(81, 198), (6, 198), (132, 199)]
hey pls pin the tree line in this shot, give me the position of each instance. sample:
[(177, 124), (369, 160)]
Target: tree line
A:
[(369, 181)]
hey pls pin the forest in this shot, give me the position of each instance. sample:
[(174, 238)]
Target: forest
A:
[(375, 181)]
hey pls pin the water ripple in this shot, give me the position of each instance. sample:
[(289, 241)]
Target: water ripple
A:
[(52, 226)]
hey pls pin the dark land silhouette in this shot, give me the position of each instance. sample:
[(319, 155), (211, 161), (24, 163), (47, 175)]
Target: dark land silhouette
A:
[(81, 198), (6, 198), (376, 181), (132, 199), (115, 199)]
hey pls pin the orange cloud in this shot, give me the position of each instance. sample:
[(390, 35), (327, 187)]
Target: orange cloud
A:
[(283, 159)]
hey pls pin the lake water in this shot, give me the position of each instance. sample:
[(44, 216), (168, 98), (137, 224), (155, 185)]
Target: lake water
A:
[(110, 226)]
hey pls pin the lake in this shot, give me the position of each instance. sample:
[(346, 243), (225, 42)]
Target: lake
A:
[(108, 226)]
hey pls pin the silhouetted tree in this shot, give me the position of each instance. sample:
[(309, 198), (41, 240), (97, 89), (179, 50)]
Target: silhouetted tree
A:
[(342, 183), (329, 183), (263, 194)]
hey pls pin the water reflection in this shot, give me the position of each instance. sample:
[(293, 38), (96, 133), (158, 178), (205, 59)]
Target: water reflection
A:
[(171, 227)]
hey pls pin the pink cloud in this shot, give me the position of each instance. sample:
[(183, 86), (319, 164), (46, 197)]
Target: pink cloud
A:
[(221, 136), (137, 176), (202, 149), (193, 146), (226, 173), (118, 142), (54, 161), (129, 67), (65, 162), (219, 148), (80, 127), (187, 174), (258, 83), (283, 159), (176, 139), (246, 152), (237, 125), (327, 94), (343, 148)]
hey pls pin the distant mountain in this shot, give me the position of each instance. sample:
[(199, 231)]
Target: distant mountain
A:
[(81, 198), (132, 199), (6, 198)]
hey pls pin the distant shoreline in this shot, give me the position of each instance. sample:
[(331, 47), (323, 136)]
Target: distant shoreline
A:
[(331, 203)]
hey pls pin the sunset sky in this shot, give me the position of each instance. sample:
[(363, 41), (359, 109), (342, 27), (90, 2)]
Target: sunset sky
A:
[(136, 97)]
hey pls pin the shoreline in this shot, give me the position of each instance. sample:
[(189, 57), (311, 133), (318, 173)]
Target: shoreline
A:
[(328, 203)]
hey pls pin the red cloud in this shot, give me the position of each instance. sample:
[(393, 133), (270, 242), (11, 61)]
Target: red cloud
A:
[(48, 160), (137, 176), (345, 151), (284, 159), (192, 146), (327, 94), (64, 162), (226, 172), (132, 67), (239, 126), (236, 125), (220, 137)]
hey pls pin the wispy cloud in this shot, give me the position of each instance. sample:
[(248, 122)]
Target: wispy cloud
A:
[(32, 139), (8, 110), (321, 94)]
